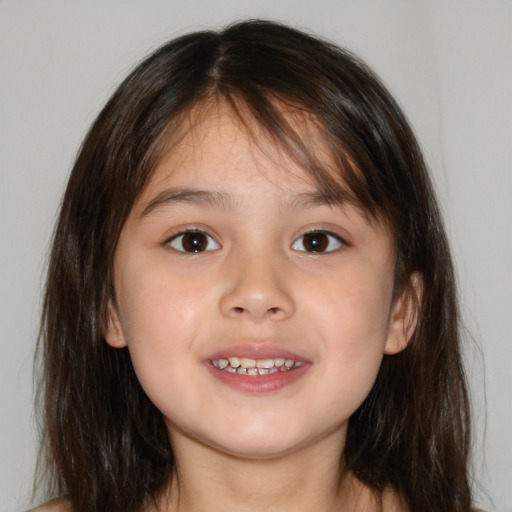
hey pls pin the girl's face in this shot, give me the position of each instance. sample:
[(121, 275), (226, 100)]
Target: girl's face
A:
[(256, 315)]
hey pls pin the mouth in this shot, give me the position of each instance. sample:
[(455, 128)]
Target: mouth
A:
[(257, 368), (254, 367)]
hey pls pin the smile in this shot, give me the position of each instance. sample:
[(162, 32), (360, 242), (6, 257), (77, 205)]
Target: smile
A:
[(257, 368), (253, 367)]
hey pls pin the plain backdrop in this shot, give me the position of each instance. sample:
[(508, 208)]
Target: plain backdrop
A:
[(448, 62)]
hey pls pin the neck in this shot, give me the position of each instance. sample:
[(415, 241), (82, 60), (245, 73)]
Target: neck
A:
[(308, 479)]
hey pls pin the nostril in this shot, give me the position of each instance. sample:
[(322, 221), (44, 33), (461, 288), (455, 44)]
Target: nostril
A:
[(271, 311)]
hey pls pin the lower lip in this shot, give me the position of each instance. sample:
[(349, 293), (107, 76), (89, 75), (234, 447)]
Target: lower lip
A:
[(258, 383)]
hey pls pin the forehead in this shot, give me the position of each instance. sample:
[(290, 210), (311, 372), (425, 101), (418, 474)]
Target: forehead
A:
[(215, 145), (219, 160)]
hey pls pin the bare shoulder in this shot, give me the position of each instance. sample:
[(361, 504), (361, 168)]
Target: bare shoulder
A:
[(59, 505)]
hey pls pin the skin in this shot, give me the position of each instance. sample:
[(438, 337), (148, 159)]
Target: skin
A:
[(256, 283)]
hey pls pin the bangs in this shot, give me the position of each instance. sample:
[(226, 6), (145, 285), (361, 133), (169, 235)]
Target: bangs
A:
[(290, 127), (305, 138), (318, 103)]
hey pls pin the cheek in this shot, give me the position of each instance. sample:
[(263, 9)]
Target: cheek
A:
[(156, 304), (160, 319), (161, 328), (354, 308), (352, 320)]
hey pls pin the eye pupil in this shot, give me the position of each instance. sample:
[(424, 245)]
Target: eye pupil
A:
[(316, 242), (194, 242)]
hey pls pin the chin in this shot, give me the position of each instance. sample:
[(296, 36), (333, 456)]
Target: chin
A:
[(257, 450), (260, 445)]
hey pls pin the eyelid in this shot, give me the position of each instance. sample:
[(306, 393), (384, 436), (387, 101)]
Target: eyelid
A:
[(339, 240), (181, 232), (189, 228)]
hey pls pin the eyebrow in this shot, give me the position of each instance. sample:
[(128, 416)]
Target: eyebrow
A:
[(226, 201), (204, 198), (306, 200)]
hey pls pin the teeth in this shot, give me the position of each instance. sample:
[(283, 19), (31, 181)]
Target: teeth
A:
[(265, 363), (247, 366), (245, 362), (234, 362)]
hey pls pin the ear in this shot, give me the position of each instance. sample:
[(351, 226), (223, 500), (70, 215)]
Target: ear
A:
[(114, 334), (404, 316)]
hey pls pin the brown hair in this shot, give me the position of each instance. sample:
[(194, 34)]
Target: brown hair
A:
[(106, 444)]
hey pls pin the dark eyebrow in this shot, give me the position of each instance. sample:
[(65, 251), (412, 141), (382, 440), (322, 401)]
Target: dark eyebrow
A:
[(204, 198)]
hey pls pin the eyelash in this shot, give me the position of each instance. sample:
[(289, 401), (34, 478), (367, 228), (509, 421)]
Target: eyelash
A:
[(321, 242), (195, 247), (329, 238)]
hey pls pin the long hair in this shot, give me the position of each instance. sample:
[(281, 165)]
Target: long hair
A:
[(105, 444)]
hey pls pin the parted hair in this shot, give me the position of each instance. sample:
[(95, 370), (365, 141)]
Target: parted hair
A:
[(104, 444)]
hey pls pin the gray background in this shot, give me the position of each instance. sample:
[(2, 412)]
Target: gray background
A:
[(448, 62)]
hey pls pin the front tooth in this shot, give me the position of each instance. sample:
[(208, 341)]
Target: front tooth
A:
[(245, 362), (265, 363), (223, 363), (279, 361), (252, 371), (289, 363), (263, 371), (234, 362), (241, 371)]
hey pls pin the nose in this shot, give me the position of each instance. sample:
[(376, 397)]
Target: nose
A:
[(256, 289)]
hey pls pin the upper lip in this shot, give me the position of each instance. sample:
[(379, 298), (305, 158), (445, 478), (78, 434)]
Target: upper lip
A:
[(260, 350)]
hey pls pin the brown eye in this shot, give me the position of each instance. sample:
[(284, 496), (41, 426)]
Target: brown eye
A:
[(193, 241), (317, 241)]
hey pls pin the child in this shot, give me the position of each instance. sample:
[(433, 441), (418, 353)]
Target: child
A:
[(250, 302)]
